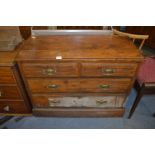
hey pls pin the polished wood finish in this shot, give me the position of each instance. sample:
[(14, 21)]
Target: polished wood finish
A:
[(7, 79), (7, 76), (9, 92), (6, 71), (71, 69), (13, 98), (108, 69), (58, 68), (79, 47), (13, 107), (7, 59), (79, 85), (50, 69)]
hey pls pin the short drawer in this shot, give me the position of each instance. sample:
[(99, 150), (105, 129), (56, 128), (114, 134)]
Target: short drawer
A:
[(9, 92), (50, 69), (6, 76), (44, 101), (13, 107), (108, 69), (79, 85)]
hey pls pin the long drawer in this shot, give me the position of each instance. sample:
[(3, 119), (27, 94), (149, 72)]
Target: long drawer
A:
[(108, 69), (50, 69), (79, 85), (13, 107), (44, 101), (9, 92)]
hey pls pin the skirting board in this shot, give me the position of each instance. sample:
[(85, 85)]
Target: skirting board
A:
[(78, 112)]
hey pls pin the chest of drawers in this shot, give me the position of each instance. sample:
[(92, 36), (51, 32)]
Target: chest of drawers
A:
[(78, 75), (13, 98)]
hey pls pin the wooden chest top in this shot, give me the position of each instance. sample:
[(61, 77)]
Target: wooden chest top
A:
[(72, 47)]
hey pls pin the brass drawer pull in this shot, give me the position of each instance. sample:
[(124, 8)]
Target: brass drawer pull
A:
[(108, 70), (101, 101), (104, 86), (6, 108), (53, 86), (49, 71), (53, 101)]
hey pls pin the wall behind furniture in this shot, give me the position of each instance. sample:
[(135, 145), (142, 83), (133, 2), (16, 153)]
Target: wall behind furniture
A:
[(149, 30)]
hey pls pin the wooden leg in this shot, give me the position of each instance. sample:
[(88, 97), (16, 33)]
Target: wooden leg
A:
[(135, 104)]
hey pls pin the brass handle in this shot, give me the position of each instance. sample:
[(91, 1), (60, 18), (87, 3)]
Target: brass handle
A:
[(101, 101), (53, 101), (6, 108), (49, 71), (53, 86), (104, 86), (108, 70)]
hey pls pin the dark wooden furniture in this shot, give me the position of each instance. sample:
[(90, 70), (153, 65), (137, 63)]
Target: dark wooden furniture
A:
[(145, 83), (144, 30), (25, 31), (13, 98), (78, 75)]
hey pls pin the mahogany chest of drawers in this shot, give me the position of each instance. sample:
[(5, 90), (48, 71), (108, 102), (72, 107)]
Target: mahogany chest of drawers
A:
[(78, 75), (13, 98)]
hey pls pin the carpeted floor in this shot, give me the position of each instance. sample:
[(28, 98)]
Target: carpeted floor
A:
[(148, 51), (142, 119)]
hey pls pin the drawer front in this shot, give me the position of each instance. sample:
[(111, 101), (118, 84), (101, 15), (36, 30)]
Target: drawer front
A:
[(108, 69), (9, 92), (44, 101), (13, 107), (79, 85), (7, 80), (6, 76), (50, 69)]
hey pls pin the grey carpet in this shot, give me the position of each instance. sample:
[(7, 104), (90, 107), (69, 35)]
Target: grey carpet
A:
[(141, 119)]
